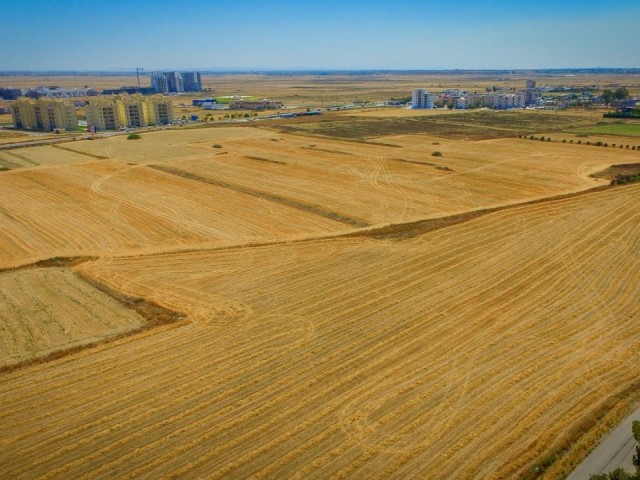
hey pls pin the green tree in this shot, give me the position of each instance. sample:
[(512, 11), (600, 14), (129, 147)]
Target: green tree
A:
[(621, 93), (607, 96)]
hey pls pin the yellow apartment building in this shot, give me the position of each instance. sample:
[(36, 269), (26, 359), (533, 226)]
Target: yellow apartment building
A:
[(129, 111), (44, 114)]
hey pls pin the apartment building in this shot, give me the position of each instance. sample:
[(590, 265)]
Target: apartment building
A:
[(160, 110), (105, 114), (130, 111), (136, 111), (506, 101), (176, 82), (192, 81), (421, 98), (47, 115), (159, 82)]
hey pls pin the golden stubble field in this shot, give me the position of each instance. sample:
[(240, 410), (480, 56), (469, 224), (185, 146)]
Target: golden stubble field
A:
[(473, 351), (173, 190), (464, 353)]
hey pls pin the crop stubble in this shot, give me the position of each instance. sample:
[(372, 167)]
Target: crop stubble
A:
[(463, 353)]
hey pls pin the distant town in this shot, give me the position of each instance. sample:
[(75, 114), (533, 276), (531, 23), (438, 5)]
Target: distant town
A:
[(54, 108)]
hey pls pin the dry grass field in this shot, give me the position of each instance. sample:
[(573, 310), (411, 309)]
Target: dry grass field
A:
[(288, 318), (43, 310), (469, 352)]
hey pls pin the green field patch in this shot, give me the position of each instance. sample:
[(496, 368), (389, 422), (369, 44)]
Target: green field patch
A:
[(621, 129), (473, 125)]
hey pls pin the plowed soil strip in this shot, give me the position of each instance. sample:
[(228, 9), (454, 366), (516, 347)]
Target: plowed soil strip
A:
[(267, 196)]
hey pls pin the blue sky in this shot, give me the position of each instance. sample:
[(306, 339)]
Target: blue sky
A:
[(320, 34)]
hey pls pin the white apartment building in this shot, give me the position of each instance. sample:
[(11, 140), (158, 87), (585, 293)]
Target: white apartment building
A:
[(421, 98), (506, 101)]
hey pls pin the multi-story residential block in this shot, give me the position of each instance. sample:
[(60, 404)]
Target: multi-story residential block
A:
[(421, 98), (47, 115), (176, 82), (136, 111), (105, 114), (129, 111), (159, 82), (505, 101), (531, 96), (160, 110), (192, 81)]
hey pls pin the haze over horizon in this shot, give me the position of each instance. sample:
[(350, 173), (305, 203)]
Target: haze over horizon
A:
[(332, 35)]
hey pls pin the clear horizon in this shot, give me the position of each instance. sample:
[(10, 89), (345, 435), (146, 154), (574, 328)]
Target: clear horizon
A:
[(281, 35)]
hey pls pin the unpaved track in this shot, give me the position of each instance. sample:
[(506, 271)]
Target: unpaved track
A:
[(462, 353)]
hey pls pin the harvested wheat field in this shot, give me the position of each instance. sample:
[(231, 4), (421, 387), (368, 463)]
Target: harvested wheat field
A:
[(468, 352), (104, 207), (173, 190), (48, 309)]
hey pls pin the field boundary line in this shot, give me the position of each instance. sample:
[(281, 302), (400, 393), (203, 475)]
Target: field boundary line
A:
[(80, 152), (266, 196), (398, 232)]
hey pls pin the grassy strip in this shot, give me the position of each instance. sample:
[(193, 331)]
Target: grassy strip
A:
[(473, 125), (154, 316), (99, 157), (261, 159), (316, 210)]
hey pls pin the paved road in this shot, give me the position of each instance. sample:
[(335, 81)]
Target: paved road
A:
[(614, 451)]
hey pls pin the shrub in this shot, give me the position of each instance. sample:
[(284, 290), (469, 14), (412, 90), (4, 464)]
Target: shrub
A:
[(436, 154), (598, 144), (571, 141), (579, 141), (532, 137), (435, 143), (588, 143), (606, 144), (564, 140), (133, 136), (217, 145), (542, 139), (548, 139)]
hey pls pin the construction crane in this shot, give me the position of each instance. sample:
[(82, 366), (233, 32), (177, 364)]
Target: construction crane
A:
[(137, 69)]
